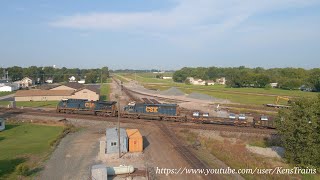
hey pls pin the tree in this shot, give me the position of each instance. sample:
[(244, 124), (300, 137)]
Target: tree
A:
[(299, 128), (314, 79)]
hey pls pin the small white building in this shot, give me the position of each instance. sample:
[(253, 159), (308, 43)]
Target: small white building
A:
[(49, 81), (2, 124), (196, 81), (210, 82), (8, 87), (72, 79), (82, 81), (166, 77), (221, 81), (274, 85)]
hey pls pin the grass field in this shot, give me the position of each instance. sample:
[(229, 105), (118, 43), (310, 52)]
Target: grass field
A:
[(25, 143), (45, 104), (252, 96), (104, 92), (5, 93)]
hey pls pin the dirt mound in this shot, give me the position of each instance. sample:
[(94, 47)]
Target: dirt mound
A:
[(172, 92)]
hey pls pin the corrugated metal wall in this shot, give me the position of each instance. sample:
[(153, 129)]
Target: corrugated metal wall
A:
[(112, 140)]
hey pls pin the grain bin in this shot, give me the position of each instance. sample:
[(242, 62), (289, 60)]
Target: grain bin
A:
[(135, 140)]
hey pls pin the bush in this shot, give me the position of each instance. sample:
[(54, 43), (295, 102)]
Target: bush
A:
[(267, 87), (22, 169)]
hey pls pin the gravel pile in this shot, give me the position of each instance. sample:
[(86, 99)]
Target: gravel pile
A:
[(172, 92), (201, 97)]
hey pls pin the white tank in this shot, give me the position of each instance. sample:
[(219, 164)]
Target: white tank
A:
[(120, 170)]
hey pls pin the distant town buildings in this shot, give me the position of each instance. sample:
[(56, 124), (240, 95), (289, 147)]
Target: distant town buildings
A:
[(221, 81), (206, 82), (72, 79), (274, 85), (166, 77), (24, 83)]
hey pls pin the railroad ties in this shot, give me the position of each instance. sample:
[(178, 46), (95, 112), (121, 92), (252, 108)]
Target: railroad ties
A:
[(187, 154)]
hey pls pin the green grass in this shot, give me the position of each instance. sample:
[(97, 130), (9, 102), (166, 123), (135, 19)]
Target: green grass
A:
[(24, 143), (121, 78), (46, 104), (104, 92), (4, 103), (5, 93)]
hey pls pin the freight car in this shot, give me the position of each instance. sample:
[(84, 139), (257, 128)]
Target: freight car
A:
[(204, 118), (263, 122), (100, 108), (167, 112)]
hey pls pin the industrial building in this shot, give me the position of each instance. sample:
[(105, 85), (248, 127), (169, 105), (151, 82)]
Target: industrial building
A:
[(112, 145), (2, 124), (135, 140)]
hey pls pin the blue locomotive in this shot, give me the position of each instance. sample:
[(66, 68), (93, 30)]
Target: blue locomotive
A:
[(153, 111), (100, 108)]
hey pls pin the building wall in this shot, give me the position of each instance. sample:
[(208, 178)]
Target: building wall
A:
[(41, 98), (112, 137), (6, 89), (63, 87), (86, 94), (2, 124)]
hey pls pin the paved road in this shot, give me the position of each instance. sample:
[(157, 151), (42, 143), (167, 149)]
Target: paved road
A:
[(9, 97)]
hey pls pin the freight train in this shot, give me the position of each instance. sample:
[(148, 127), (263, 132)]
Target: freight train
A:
[(154, 110)]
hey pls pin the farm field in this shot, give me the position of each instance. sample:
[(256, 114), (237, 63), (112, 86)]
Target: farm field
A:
[(252, 96), (25, 143)]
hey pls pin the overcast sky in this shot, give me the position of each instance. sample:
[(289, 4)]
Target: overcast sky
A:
[(161, 34)]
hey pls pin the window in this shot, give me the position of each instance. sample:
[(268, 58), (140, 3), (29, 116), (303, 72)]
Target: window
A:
[(113, 143)]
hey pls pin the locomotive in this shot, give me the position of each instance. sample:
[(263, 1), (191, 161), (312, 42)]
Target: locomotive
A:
[(156, 111), (78, 106)]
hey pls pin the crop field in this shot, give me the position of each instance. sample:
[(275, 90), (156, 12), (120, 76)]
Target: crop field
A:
[(252, 96), (25, 143)]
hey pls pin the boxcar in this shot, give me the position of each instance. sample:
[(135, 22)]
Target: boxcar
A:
[(102, 108)]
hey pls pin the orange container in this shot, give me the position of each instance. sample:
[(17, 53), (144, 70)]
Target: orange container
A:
[(135, 140)]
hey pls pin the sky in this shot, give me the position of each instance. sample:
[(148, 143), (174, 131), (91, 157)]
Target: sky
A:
[(160, 34)]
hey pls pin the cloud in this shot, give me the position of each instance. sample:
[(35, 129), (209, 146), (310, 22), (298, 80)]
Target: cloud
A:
[(201, 19)]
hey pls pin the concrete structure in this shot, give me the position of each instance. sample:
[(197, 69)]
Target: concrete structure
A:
[(99, 172), (2, 124), (221, 81), (25, 82), (57, 95), (112, 145)]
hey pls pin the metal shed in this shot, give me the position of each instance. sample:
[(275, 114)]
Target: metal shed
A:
[(135, 140), (2, 124), (112, 140)]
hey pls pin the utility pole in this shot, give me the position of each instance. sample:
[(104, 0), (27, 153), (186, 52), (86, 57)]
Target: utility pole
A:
[(101, 77), (119, 125)]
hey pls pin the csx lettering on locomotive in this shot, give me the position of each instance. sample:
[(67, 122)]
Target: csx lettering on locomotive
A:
[(151, 109), (89, 105)]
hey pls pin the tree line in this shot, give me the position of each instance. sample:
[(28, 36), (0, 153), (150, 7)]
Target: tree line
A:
[(41, 74), (238, 77)]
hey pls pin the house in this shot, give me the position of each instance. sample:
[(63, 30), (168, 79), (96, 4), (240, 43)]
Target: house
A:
[(24, 83), (2, 124), (274, 85), (90, 93), (166, 77), (210, 82), (221, 81), (82, 81), (49, 81), (196, 81), (72, 79), (8, 87), (112, 144)]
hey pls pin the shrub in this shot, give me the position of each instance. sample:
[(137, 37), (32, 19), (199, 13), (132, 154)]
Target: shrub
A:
[(22, 169)]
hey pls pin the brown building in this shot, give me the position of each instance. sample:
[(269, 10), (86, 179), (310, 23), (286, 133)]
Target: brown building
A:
[(135, 140), (57, 95)]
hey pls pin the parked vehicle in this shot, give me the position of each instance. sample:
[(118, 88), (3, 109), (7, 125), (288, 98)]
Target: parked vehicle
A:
[(232, 116)]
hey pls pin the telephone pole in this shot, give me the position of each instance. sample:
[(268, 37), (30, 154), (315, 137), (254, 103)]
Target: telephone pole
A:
[(119, 125)]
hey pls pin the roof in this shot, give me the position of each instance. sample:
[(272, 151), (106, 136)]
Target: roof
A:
[(22, 93), (47, 86), (93, 88), (74, 85), (112, 133), (133, 133)]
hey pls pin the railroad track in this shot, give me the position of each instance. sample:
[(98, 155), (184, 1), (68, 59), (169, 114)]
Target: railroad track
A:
[(215, 127), (184, 151)]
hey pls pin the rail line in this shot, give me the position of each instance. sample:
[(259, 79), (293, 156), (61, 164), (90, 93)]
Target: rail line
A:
[(186, 153), (214, 127)]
